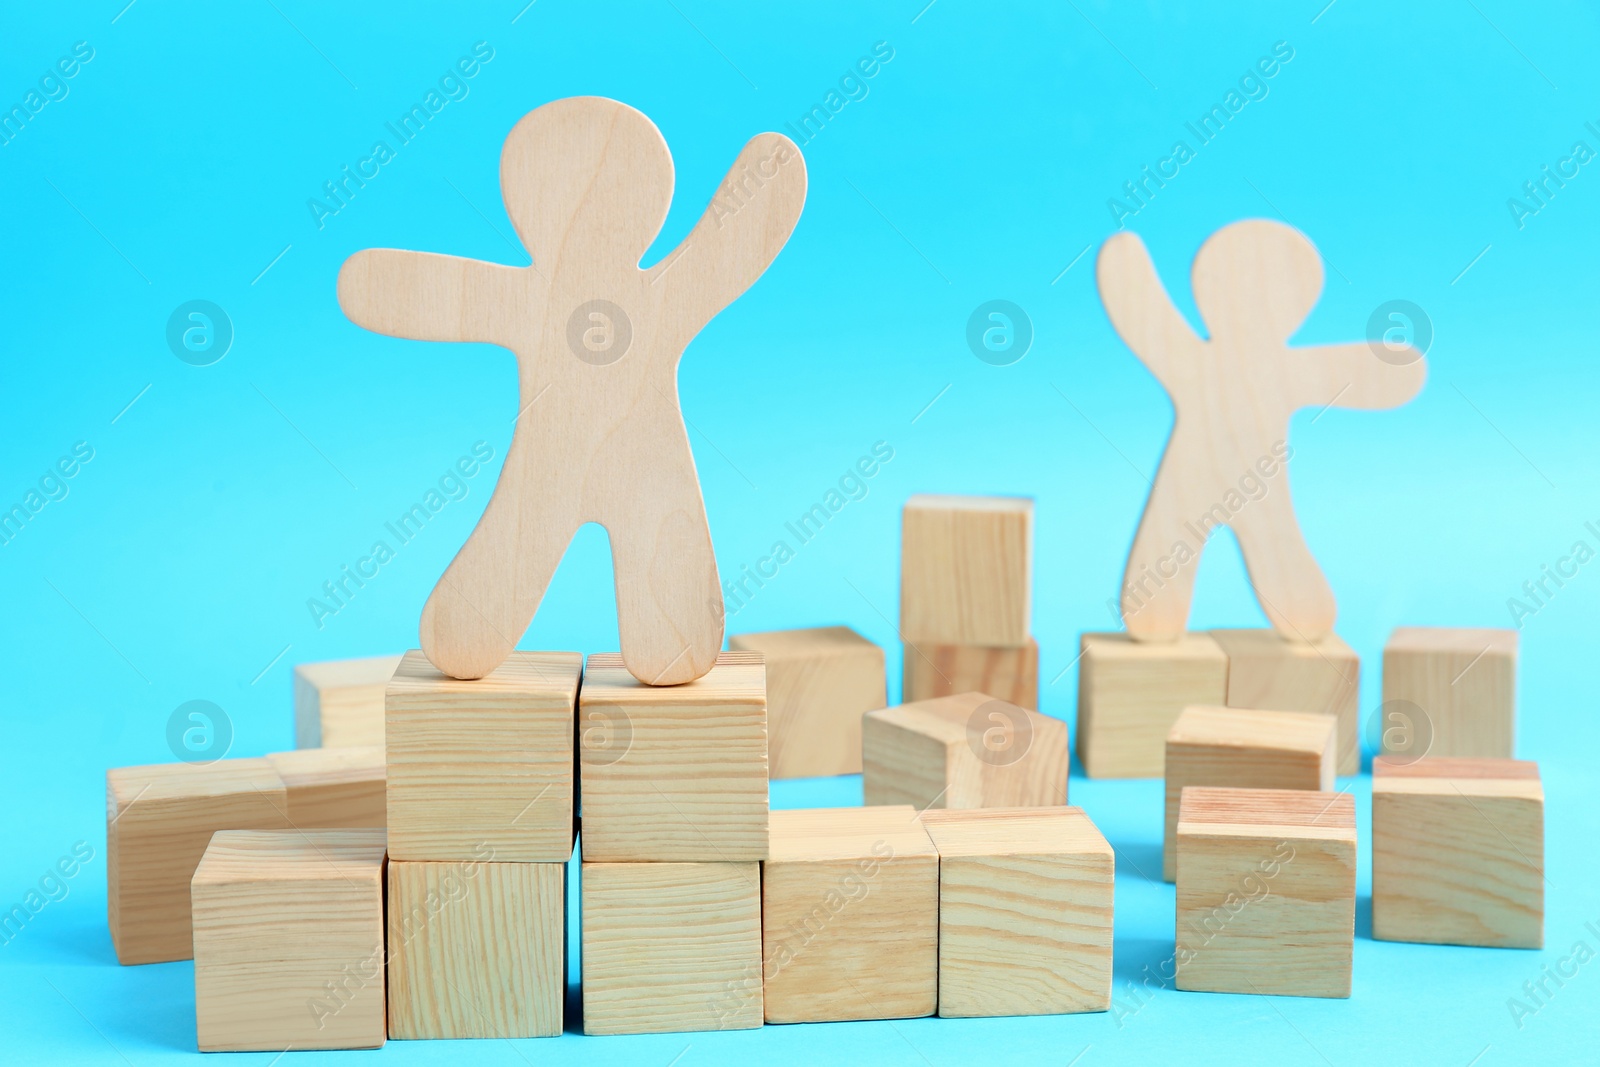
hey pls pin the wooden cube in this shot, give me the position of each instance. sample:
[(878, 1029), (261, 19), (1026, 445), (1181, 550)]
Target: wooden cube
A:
[(288, 941), (819, 682), (483, 763), (1269, 673), (1025, 902), (850, 916), (1130, 693), (1465, 683), (966, 569), (1007, 672), (477, 949), (339, 703), (1247, 749), (1458, 852), (1266, 891), (674, 772), (964, 751), (669, 947), (333, 787), (159, 820)]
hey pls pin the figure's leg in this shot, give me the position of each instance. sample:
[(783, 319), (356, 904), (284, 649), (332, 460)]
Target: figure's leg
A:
[(1158, 584), (1290, 586)]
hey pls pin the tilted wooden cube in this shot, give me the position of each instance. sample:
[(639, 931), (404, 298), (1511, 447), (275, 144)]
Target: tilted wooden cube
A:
[(1269, 673), (1130, 693), (1465, 683), (671, 947), (1458, 852), (1246, 749), (477, 949), (964, 751), (288, 941), (674, 772), (159, 820), (1006, 672), (966, 569), (339, 703), (819, 682), (1266, 891), (1025, 904), (333, 787), (487, 762), (850, 916)]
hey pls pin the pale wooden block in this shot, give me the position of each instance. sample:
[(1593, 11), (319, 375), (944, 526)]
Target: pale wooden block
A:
[(963, 751), (850, 916), (1007, 672), (1269, 673), (669, 947), (1266, 891), (674, 773), (486, 762), (340, 702), (1025, 906), (1130, 694), (159, 819), (1463, 680), (288, 941), (333, 787), (477, 949), (1248, 749), (1458, 852), (819, 682), (966, 569)]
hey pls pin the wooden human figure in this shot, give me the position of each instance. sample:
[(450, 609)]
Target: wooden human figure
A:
[(1255, 281), (599, 436)]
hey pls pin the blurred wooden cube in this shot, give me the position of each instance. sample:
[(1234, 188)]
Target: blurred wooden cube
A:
[(339, 703), (477, 949), (1248, 749), (288, 941), (850, 916), (1130, 693), (1025, 905), (964, 751), (1458, 852), (1007, 672), (1266, 891), (483, 762), (1465, 683), (966, 569), (1269, 673), (819, 683), (670, 947), (333, 787), (674, 772)]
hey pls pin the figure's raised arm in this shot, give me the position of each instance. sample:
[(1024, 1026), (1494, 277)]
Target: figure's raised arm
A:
[(1138, 305), (428, 297), (1358, 375)]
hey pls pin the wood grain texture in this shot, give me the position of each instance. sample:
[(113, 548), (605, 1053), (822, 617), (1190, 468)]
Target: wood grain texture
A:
[(159, 819), (1465, 682), (674, 773), (1458, 852), (966, 569), (963, 751), (1268, 673), (599, 436), (1025, 910), (1211, 746), (477, 949), (1007, 672), (1130, 694), (288, 941), (819, 683), (1254, 283), (849, 916), (339, 703), (483, 762), (670, 947), (1266, 891), (333, 787)]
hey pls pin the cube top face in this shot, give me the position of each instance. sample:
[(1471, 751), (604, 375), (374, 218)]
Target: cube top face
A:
[(949, 719), (819, 835), (1458, 777), (1467, 642), (1119, 648), (537, 677), (244, 856), (1021, 506), (1267, 643), (344, 673), (778, 645), (736, 678), (150, 785), (1454, 767), (966, 569), (985, 832), (329, 766), (1256, 812), (1287, 732)]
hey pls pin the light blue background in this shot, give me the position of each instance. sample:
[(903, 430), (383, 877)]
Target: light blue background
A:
[(978, 167)]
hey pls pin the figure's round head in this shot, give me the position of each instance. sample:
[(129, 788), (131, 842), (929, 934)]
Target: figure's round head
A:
[(1256, 280)]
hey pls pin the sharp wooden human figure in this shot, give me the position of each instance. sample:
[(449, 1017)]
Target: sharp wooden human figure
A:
[(599, 435)]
